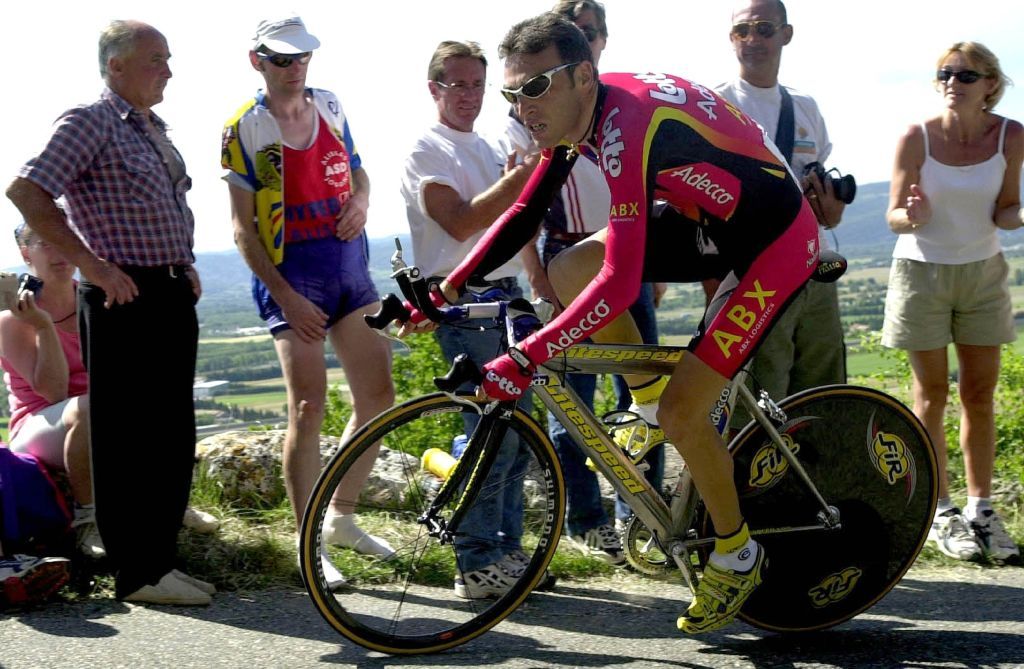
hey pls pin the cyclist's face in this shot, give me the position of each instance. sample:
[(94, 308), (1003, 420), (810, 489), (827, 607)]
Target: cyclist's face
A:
[(556, 114)]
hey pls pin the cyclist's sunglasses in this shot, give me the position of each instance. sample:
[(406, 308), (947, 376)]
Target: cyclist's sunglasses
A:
[(963, 76), (535, 87), (285, 60), (765, 29)]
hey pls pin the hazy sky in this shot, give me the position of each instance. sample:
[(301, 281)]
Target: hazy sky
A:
[(869, 64)]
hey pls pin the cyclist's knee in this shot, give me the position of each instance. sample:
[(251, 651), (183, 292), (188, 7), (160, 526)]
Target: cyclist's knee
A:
[(307, 413)]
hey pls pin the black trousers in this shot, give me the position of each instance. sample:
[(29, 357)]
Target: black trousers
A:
[(141, 360)]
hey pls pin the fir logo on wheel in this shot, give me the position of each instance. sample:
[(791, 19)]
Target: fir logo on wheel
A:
[(889, 455), (768, 465), (834, 587)]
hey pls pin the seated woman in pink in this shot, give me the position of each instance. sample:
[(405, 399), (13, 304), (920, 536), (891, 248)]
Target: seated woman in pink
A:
[(46, 380)]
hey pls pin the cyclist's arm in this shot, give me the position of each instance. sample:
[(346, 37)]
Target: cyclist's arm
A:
[(520, 222)]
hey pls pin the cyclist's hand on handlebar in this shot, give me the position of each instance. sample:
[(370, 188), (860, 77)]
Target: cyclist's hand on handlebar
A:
[(504, 379), (418, 322)]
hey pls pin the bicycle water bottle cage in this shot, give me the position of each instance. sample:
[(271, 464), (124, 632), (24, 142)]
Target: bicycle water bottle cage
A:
[(632, 434)]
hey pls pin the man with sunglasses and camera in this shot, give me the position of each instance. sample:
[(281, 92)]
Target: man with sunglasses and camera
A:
[(654, 136), (805, 348), (299, 198)]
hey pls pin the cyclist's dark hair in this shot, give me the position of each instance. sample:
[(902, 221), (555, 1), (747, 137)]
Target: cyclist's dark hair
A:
[(534, 35), (571, 9), (452, 49)]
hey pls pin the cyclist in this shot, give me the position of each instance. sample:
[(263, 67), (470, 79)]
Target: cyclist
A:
[(661, 137)]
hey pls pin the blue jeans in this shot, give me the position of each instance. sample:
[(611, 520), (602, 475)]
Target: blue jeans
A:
[(494, 525), (647, 322)]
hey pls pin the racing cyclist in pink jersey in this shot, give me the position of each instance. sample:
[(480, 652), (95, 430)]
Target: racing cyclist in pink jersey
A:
[(655, 137)]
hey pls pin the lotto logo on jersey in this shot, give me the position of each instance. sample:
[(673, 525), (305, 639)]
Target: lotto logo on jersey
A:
[(612, 145), (713, 189)]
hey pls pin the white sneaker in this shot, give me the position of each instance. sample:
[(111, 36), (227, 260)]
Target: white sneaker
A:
[(200, 522), (602, 542), (494, 580), (996, 544), (170, 590), (208, 588), (26, 580), (953, 537), (342, 531)]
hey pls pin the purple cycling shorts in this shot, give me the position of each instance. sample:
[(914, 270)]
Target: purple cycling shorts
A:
[(332, 274)]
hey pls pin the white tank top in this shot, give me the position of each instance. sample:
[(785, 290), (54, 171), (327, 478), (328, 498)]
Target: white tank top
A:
[(963, 199)]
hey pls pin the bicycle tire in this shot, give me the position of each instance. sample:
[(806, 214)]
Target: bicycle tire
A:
[(871, 458), (406, 605)]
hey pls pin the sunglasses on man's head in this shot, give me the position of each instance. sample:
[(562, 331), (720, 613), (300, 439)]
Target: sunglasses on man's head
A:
[(285, 60), (765, 29), (963, 76), (535, 87)]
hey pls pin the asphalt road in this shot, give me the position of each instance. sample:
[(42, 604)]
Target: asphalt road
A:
[(952, 617)]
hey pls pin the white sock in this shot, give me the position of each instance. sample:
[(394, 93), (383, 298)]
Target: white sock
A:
[(649, 412), (975, 505), (342, 530), (740, 560)]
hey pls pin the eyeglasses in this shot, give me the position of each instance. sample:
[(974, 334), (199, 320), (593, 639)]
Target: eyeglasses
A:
[(765, 29), (459, 87), (285, 60), (535, 87), (963, 76)]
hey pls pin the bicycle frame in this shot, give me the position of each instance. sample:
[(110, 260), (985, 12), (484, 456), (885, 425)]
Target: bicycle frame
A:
[(670, 524)]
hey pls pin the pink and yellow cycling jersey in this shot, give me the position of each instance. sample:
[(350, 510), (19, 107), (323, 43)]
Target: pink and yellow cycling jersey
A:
[(661, 137)]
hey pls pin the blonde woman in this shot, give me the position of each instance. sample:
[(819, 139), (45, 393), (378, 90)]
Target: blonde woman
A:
[(956, 182)]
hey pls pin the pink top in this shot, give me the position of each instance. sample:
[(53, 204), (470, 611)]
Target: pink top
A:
[(24, 401)]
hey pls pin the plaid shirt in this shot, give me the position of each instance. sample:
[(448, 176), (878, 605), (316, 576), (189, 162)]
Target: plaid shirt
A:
[(119, 194)]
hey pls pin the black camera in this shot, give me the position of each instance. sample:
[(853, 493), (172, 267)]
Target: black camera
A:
[(844, 187), (30, 283)]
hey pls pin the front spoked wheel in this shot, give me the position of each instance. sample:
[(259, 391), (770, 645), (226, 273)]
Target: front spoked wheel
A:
[(407, 603), (872, 460)]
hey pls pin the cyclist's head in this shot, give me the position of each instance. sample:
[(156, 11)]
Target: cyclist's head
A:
[(530, 37)]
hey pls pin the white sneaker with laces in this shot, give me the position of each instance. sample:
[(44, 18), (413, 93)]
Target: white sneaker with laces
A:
[(602, 542), (494, 580), (996, 544), (953, 537)]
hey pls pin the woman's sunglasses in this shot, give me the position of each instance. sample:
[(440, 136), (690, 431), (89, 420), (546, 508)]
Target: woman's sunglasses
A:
[(285, 60), (963, 76), (765, 29), (535, 87)]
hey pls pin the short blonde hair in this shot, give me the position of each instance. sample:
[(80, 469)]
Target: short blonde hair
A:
[(982, 58)]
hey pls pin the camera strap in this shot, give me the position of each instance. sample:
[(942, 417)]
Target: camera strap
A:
[(785, 133)]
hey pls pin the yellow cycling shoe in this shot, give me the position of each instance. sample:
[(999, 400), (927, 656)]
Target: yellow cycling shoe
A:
[(633, 434), (720, 595)]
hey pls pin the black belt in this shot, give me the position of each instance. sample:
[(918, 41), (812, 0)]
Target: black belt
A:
[(154, 272)]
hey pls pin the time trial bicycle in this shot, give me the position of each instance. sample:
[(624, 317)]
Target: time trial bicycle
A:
[(838, 484)]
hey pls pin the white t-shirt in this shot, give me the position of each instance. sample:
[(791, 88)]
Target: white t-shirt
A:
[(810, 139), (466, 163)]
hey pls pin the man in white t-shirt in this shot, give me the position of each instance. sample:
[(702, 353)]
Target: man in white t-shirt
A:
[(455, 185), (805, 347)]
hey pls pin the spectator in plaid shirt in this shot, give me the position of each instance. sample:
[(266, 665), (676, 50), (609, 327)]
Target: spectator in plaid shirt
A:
[(129, 230)]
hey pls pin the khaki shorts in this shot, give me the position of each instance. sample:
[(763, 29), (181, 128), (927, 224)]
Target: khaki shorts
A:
[(928, 305)]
